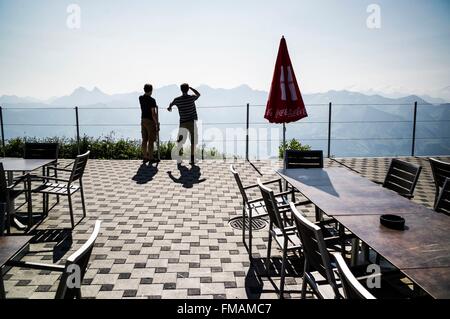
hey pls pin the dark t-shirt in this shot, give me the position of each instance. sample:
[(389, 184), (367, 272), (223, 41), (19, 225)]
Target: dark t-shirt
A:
[(147, 102), (186, 107)]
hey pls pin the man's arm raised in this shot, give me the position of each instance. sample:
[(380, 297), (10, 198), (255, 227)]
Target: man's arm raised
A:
[(197, 93)]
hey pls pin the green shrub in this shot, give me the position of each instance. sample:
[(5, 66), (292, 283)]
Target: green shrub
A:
[(106, 147), (292, 145)]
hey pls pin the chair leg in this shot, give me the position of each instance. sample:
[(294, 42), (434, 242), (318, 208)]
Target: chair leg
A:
[(269, 247), (243, 222), (83, 204), (71, 211), (283, 271), (2, 287), (250, 233), (305, 269)]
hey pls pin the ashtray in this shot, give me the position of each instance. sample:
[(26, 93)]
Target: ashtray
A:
[(393, 221)]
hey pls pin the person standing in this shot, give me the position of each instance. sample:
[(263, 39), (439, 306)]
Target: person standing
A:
[(149, 123), (188, 117)]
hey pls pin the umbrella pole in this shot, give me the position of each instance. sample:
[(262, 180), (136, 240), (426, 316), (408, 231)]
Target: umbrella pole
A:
[(284, 134)]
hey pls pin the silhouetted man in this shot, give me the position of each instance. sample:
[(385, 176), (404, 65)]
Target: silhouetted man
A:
[(149, 123), (188, 117)]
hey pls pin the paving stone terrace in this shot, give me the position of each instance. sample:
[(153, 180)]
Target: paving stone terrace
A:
[(165, 232)]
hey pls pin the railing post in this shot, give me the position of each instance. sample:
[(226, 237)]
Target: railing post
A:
[(78, 129), (248, 126), (2, 130), (329, 130), (414, 130)]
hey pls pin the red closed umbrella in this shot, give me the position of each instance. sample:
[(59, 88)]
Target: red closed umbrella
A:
[(285, 102)]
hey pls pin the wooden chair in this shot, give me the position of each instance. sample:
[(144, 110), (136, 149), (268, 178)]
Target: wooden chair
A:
[(256, 208), (41, 151), (303, 159), (280, 230), (350, 285), (66, 187), (441, 171), (317, 257), (443, 202), (8, 193), (402, 177), (76, 264)]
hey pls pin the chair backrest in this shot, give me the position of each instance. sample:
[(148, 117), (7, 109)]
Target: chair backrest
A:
[(303, 159), (271, 206), (314, 248), (443, 202), (41, 151), (77, 264), (351, 286), (402, 177), (78, 166), (3, 184), (239, 183), (441, 171)]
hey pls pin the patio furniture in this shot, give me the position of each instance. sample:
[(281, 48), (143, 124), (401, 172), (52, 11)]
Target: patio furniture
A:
[(421, 251), (443, 202), (66, 187), (356, 204), (12, 165), (402, 177), (441, 171), (255, 208), (75, 264), (304, 159), (43, 151), (11, 247), (350, 285), (317, 258), (9, 192), (284, 234)]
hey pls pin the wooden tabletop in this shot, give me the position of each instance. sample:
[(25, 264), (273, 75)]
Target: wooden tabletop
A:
[(11, 245), (421, 251), (435, 281), (15, 164), (425, 242), (337, 191)]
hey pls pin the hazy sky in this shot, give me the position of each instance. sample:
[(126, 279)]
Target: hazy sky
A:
[(122, 44)]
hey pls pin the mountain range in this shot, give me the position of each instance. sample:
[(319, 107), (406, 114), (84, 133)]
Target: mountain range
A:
[(210, 97)]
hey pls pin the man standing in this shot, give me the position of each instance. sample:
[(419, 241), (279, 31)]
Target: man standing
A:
[(149, 123), (188, 117)]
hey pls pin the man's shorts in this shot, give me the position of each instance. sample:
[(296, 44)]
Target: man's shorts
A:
[(148, 130), (191, 128)]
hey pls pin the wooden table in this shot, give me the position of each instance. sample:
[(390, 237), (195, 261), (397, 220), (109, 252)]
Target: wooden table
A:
[(10, 247), (338, 191), (14, 164), (421, 251)]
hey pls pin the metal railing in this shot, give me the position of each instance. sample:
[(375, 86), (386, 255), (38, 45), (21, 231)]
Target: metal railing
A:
[(327, 119)]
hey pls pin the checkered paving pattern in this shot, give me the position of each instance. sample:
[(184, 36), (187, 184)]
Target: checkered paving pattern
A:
[(165, 232)]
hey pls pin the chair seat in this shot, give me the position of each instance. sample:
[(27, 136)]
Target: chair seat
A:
[(294, 242), (57, 189), (259, 208)]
